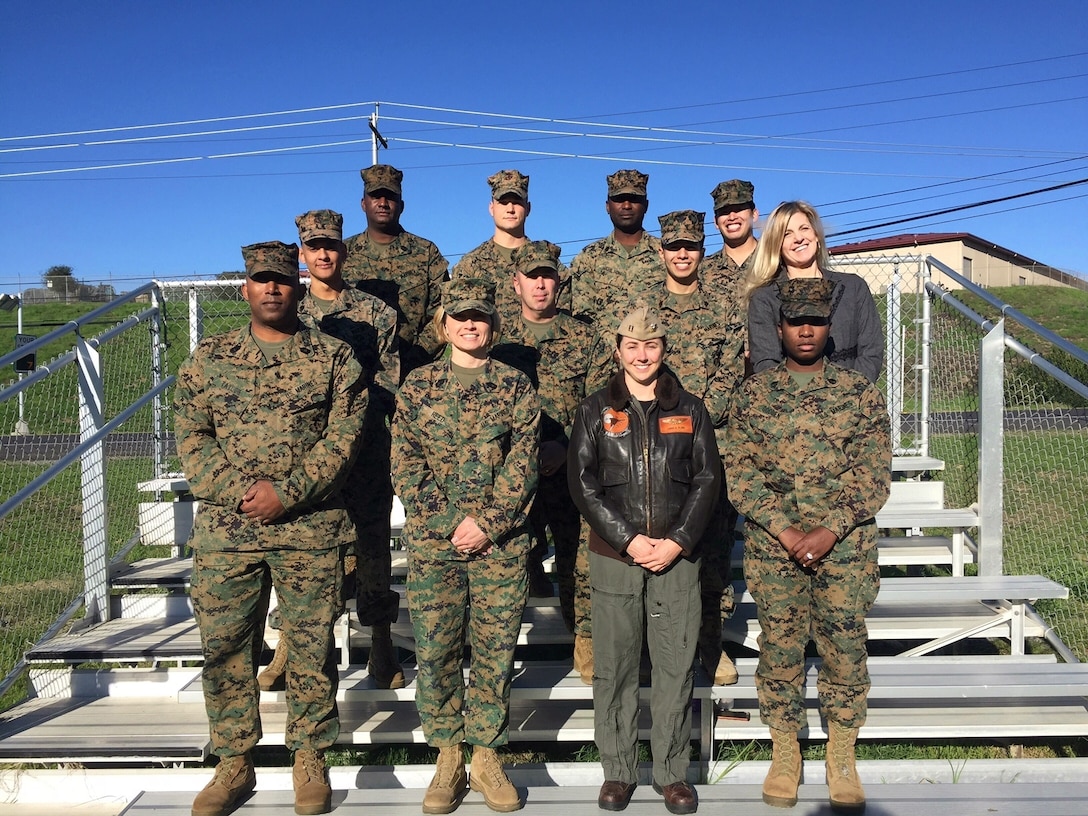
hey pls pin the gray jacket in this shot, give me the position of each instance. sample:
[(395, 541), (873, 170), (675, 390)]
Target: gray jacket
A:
[(856, 341)]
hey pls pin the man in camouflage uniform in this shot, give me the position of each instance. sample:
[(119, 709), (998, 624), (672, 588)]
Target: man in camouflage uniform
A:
[(493, 259), (735, 216), (370, 328), (402, 269), (565, 360), (706, 352), (268, 419), (608, 272), (809, 466)]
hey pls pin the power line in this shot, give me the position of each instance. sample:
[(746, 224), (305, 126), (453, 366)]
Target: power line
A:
[(960, 208)]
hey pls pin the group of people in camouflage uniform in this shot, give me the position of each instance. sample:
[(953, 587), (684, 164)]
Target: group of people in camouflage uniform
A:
[(461, 392)]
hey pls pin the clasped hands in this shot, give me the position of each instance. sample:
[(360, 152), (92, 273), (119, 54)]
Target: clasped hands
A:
[(261, 503), (654, 554), (469, 539), (807, 549)]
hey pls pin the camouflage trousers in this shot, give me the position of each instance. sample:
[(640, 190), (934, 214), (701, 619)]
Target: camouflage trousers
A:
[(553, 509), (583, 613), (477, 603), (230, 593), (628, 600), (826, 605), (369, 497)]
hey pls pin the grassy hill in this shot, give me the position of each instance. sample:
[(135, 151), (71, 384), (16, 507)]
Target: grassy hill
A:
[(40, 319), (1064, 311)]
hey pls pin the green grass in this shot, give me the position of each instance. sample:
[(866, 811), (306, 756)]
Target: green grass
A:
[(39, 320), (41, 560)]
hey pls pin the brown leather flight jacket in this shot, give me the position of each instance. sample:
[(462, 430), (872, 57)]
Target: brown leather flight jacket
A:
[(650, 470)]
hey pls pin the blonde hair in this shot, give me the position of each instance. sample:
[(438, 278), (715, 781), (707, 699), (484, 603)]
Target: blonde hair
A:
[(439, 323), (768, 258)]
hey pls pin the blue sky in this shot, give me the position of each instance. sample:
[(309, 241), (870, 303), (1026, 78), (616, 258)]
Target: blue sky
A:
[(872, 112)]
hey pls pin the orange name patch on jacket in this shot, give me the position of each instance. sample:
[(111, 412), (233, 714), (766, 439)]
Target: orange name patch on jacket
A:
[(675, 424)]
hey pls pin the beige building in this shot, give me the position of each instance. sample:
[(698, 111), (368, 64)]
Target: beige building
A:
[(982, 262)]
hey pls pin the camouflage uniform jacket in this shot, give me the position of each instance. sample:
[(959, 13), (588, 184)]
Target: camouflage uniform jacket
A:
[(370, 328), (565, 365), (705, 348), (808, 456), (461, 452), (604, 276), (490, 262), (294, 420), (719, 273), (407, 275)]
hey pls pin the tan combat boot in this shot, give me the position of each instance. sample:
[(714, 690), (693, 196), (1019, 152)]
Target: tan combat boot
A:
[(486, 776), (784, 775), (583, 658), (722, 671), (450, 782), (844, 786), (234, 780), (382, 664), (313, 793), (716, 663), (271, 679)]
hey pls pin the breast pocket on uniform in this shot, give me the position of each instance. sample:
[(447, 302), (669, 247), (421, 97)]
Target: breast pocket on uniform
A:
[(495, 444), (305, 410)]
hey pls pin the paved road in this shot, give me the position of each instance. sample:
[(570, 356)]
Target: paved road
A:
[(1069, 419), (50, 447)]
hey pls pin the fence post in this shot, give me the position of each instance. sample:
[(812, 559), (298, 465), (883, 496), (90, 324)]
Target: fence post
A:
[(894, 364), (158, 408), (93, 482), (991, 426), (196, 318)]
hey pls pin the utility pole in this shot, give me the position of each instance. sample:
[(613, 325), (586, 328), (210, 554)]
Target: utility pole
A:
[(376, 137)]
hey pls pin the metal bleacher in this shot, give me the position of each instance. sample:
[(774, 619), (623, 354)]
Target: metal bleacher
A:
[(127, 692)]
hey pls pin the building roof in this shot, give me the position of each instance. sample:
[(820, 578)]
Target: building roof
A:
[(905, 241), (919, 239)]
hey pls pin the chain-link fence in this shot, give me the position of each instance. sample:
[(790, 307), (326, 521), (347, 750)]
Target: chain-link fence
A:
[(897, 282), (198, 309), (1045, 454), (65, 515), (931, 380)]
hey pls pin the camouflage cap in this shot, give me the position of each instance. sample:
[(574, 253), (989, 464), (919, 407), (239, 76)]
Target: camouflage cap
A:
[(733, 192), (682, 225), (627, 182), (536, 255), (274, 257), (320, 224), (641, 324), (465, 294), (806, 297), (381, 177), (509, 182)]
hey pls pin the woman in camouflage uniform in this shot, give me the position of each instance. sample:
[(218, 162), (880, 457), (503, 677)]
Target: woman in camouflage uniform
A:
[(465, 439), (808, 464)]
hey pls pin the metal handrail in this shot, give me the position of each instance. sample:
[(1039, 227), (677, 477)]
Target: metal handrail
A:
[(1029, 354), (73, 326)]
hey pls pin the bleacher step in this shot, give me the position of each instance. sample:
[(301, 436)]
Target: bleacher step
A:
[(1022, 799)]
